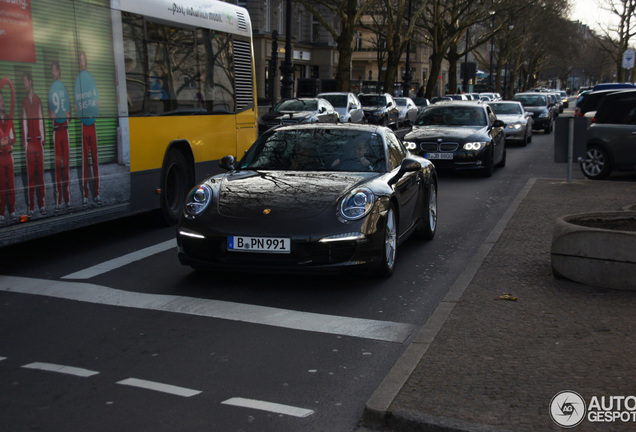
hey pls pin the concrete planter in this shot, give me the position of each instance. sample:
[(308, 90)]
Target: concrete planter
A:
[(596, 249)]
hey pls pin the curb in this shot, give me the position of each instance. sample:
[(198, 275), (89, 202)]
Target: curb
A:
[(376, 411)]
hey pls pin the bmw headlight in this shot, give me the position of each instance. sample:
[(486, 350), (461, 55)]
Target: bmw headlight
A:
[(516, 125), (198, 200), (474, 146), (357, 204)]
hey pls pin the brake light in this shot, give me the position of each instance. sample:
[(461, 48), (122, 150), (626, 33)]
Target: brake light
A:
[(577, 112)]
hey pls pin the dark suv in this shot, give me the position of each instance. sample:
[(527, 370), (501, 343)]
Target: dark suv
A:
[(591, 101), (540, 105), (611, 139)]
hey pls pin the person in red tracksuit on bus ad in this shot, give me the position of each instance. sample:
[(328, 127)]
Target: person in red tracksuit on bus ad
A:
[(7, 184), (34, 138), (60, 113), (87, 105)]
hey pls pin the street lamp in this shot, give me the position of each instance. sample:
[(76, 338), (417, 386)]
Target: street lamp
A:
[(287, 68), (491, 87), (407, 73)]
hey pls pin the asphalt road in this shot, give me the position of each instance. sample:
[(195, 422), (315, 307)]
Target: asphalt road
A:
[(102, 329)]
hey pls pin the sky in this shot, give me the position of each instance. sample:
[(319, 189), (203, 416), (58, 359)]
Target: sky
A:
[(589, 12)]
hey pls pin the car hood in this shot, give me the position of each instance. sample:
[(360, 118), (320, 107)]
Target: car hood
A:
[(273, 115), (373, 108), (510, 118), (536, 109), (422, 133), (283, 194)]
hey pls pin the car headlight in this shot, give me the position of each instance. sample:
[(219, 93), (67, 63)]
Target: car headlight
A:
[(198, 200), (544, 114), (516, 125), (357, 204), (474, 146)]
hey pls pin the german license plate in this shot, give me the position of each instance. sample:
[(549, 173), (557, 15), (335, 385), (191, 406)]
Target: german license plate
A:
[(281, 245), (439, 155)]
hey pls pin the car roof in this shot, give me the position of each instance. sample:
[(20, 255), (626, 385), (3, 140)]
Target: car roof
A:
[(335, 126), (333, 93), (613, 86)]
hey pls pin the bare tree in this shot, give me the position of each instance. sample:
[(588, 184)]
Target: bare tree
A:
[(621, 33), (394, 23), (348, 14)]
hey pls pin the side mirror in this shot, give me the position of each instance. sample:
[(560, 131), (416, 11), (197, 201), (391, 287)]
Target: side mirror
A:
[(227, 163), (408, 165), (323, 109)]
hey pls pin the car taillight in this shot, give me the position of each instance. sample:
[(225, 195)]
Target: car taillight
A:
[(577, 113)]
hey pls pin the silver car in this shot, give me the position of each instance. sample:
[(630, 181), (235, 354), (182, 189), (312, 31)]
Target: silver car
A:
[(407, 109), (347, 105), (518, 121)]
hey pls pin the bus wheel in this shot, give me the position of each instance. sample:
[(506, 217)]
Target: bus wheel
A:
[(175, 186)]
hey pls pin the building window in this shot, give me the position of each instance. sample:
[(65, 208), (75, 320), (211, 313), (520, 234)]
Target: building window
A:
[(315, 28), (358, 41), (268, 15)]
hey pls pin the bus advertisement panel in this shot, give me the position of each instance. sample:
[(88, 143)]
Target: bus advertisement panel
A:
[(112, 109)]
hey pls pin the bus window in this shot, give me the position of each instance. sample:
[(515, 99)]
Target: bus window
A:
[(217, 80)]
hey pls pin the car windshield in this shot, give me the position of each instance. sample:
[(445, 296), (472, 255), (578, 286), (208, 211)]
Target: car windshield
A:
[(296, 105), (316, 150), (370, 100), (531, 100), (505, 108), (452, 116), (338, 101), (400, 102)]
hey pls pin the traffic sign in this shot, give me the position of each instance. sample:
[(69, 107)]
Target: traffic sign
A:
[(628, 58)]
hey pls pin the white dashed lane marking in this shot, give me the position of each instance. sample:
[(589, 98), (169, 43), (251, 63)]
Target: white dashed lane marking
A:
[(269, 407), (68, 370), (164, 388)]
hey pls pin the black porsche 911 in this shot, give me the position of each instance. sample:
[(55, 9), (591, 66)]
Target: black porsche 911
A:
[(311, 198)]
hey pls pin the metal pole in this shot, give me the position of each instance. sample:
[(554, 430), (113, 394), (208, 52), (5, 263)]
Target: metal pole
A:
[(407, 73), (570, 146), (287, 67), (465, 86)]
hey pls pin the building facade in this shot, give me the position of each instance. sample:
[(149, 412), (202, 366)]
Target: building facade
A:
[(315, 55)]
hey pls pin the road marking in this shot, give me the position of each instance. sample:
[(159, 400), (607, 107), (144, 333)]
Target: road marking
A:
[(121, 261), (355, 327), (268, 406), (69, 370), (2, 358), (164, 388)]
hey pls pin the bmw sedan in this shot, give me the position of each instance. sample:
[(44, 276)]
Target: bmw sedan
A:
[(518, 121), (311, 198), (461, 136)]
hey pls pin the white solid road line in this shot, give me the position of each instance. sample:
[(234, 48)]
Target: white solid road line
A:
[(164, 388), (121, 261), (69, 370), (269, 406), (355, 327)]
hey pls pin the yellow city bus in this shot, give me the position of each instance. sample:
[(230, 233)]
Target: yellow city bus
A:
[(115, 107)]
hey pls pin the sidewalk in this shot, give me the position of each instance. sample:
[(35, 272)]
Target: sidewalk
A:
[(481, 364)]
